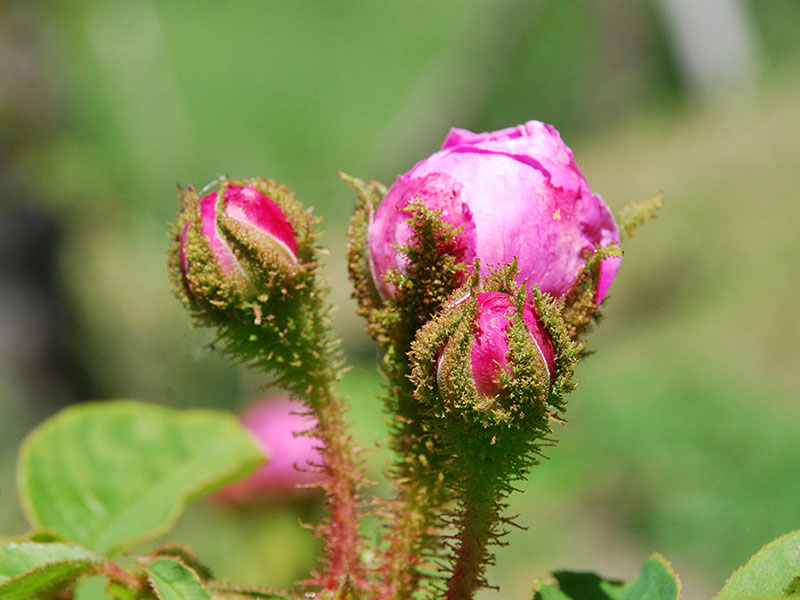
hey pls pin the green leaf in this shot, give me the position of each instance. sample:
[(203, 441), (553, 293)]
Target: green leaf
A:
[(186, 555), (576, 585), (550, 592), (95, 587), (30, 568), (656, 581), (589, 586), (768, 573), (172, 580), (110, 474)]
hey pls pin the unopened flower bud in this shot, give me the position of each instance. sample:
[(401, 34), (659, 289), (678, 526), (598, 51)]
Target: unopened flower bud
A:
[(516, 194), (233, 237), (488, 357), (253, 209), (293, 460), (482, 343), (243, 259)]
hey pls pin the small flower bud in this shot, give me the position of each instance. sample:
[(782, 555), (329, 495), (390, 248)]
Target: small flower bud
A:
[(243, 260), (293, 460), (231, 238), (477, 361), (516, 194), (493, 358), (253, 209), (488, 356)]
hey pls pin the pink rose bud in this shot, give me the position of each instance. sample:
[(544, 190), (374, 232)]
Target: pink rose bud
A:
[(234, 215), (489, 353), (516, 193), (291, 458)]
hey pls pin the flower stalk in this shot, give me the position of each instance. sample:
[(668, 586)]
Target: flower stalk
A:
[(490, 418), (413, 519), (244, 260)]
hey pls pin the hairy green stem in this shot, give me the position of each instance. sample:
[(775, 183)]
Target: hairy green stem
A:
[(414, 516), (477, 528)]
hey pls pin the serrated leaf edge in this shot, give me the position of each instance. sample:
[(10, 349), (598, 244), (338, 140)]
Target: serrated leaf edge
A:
[(180, 502)]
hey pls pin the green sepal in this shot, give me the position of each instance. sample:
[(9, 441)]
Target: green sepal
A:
[(202, 285), (581, 309), (359, 263), (432, 270), (431, 274), (580, 305), (636, 214), (527, 401)]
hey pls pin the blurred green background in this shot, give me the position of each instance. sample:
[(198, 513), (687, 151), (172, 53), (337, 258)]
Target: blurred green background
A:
[(682, 435)]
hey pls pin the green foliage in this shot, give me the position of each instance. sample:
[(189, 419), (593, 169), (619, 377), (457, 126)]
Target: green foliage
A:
[(172, 580), (107, 475), (586, 586), (793, 589), (656, 581), (28, 569), (771, 572), (186, 556)]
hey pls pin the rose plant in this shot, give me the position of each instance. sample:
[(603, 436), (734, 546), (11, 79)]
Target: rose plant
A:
[(478, 273)]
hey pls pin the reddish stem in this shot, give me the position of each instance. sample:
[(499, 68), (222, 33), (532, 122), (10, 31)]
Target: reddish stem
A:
[(342, 542)]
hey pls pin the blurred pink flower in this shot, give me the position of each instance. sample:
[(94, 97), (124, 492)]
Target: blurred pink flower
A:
[(516, 193), (273, 422)]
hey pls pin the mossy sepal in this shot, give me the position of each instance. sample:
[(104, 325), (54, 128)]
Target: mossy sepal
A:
[(530, 391), (359, 264), (221, 255), (581, 309)]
